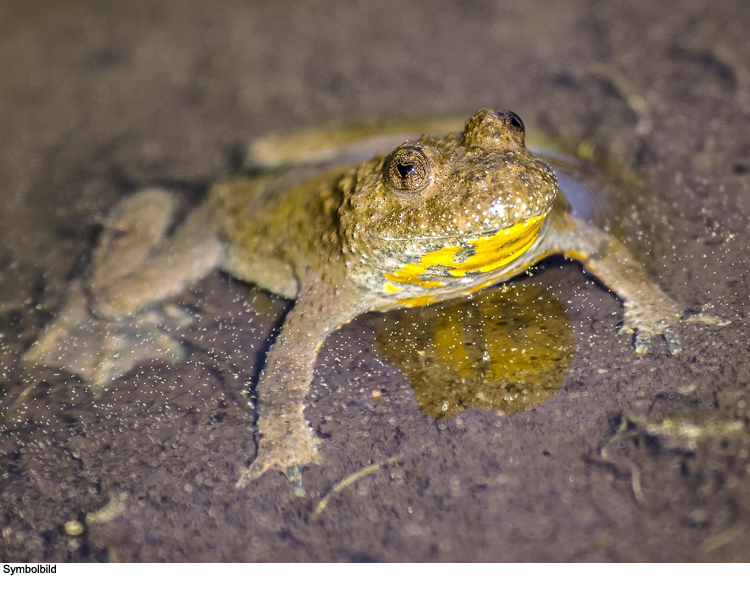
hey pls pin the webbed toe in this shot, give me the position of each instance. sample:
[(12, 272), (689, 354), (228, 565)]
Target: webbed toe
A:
[(288, 455), (100, 351)]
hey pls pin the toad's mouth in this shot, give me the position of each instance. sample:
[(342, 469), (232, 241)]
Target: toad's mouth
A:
[(483, 254)]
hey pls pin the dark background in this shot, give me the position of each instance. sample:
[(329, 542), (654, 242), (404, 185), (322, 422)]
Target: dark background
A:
[(100, 98)]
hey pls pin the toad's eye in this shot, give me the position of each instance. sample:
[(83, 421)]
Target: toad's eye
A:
[(515, 122), (408, 169)]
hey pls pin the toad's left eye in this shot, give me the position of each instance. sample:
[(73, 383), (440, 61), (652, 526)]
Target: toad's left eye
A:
[(408, 169), (515, 121)]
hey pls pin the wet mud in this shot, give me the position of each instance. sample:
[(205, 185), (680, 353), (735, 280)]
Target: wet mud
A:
[(631, 457)]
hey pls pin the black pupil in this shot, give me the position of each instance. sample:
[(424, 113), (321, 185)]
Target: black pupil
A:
[(404, 170), (515, 122)]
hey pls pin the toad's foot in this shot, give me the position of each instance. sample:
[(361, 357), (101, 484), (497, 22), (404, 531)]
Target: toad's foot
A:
[(648, 319), (660, 316), (98, 350), (299, 447)]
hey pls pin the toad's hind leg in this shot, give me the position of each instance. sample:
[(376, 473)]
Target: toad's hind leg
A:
[(134, 265), (130, 233), (340, 145)]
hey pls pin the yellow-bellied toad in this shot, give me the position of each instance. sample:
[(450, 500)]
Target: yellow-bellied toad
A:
[(437, 218)]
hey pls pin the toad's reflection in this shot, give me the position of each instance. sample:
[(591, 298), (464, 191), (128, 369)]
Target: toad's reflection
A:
[(507, 349)]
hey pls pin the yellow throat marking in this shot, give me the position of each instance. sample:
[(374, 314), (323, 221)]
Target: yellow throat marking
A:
[(490, 253)]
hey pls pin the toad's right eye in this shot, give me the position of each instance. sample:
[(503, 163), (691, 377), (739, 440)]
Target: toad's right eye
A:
[(408, 169)]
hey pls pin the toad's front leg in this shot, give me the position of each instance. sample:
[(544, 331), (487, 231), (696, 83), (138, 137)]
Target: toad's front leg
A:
[(287, 440), (647, 311)]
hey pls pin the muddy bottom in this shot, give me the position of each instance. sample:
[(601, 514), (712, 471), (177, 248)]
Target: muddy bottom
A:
[(625, 457)]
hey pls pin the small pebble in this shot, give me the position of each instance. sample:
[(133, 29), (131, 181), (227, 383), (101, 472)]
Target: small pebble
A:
[(73, 528)]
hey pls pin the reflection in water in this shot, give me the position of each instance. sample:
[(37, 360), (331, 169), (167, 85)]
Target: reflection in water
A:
[(587, 190), (507, 349)]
